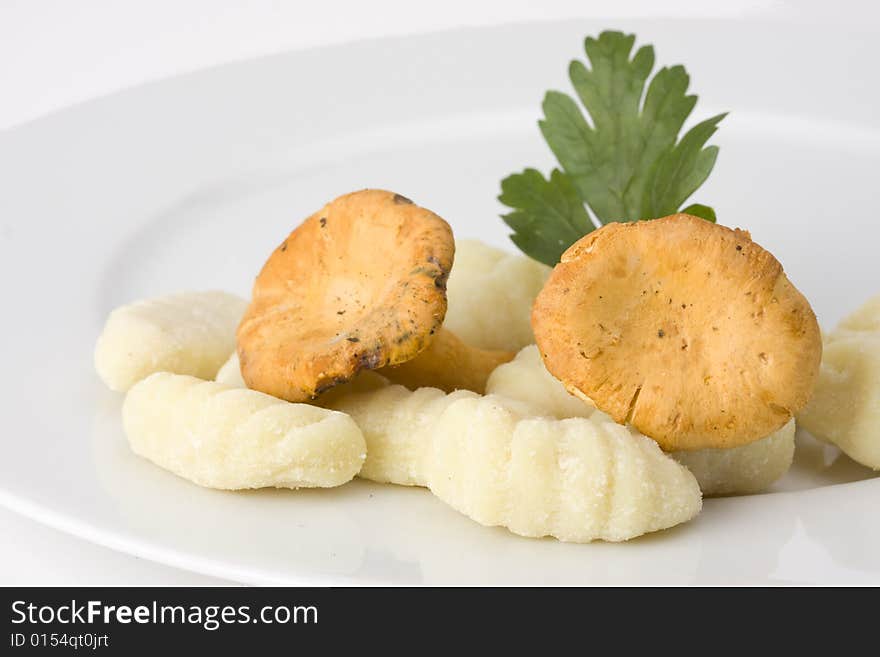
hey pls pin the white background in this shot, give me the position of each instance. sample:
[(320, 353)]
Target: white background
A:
[(54, 53)]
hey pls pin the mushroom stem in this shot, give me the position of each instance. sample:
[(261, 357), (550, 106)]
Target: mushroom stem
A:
[(448, 363)]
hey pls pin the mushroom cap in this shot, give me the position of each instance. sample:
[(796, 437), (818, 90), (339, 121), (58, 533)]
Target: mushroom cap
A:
[(685, 329), (358, 285)]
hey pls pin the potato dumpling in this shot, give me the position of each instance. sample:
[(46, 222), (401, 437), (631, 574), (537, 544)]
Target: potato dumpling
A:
[(232, 438), (845, 409), (397, 424), (740, 470), (743, 470), (526, 379), (490, 296), (230, 373), (185, 333), (488, 457)]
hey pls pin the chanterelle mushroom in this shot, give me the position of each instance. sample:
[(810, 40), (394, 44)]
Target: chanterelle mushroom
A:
[(685, 329), (361, 284)]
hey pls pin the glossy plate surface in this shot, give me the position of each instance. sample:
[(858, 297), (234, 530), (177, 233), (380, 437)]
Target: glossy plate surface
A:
[(190, 182)]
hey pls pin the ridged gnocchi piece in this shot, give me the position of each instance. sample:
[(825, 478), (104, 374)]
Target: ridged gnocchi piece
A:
[(232, 438), (490, 294), (186, 333), (845, 409), (578, 479), (740, 470), (397, 425)]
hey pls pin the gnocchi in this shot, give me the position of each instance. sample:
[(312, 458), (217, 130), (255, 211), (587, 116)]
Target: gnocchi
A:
[(845, 409), (397, 424), (186, 333), (229, 438), (739, 470), (230, 373), (490, 295), (525, 378), (865, 320), (578, 479), (742, 470)]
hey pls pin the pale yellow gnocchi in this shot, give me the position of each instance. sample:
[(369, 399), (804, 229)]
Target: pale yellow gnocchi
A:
[(230, 373), (865, 320), (397, 425), (490, 296), (186, 333), (845, 409), (526, 379), (742, 470), (746, 469), (233, 438), (578, 479)]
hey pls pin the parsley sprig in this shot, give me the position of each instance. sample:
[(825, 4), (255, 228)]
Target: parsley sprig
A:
[(627, 163)]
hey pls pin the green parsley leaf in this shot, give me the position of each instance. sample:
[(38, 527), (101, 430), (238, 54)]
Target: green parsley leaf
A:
[(626, 163), (548, 215), (701, 211)]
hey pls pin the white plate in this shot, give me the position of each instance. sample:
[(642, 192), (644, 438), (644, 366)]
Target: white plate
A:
[(189, 183)]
